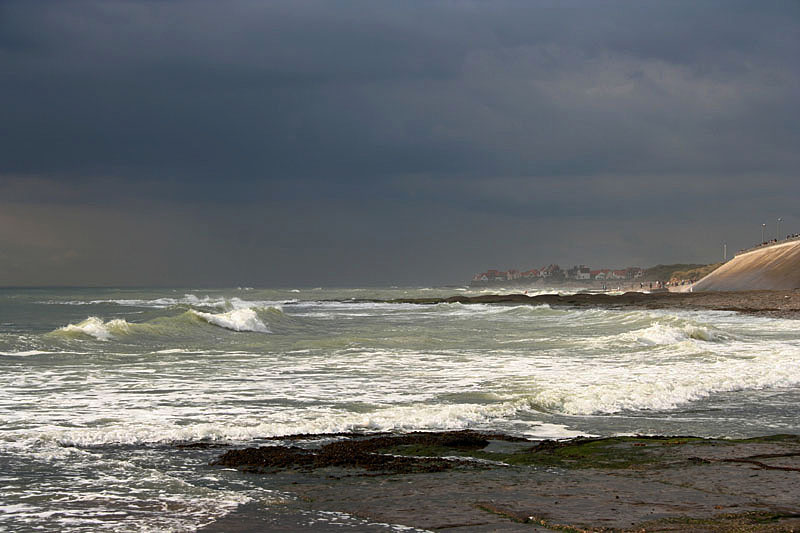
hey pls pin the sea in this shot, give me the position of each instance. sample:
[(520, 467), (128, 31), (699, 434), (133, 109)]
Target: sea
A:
[(101, 389)]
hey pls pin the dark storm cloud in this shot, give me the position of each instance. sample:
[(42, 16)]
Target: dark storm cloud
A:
[(328, 133), (268, 90)]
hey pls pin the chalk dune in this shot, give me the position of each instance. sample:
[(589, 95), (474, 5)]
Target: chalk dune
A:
[(775, 267)]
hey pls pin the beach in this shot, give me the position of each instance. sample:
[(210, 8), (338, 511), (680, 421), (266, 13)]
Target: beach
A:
[(668, 483), (398, 409), (499, 483)]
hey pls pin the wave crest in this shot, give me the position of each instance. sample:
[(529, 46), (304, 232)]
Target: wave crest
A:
[(239, 320), (412, 417), (95, 327), (658, 334), (243, 319)]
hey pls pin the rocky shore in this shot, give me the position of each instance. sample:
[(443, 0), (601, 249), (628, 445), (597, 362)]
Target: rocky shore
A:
[(784, 304), (476, 482), (470, 482)]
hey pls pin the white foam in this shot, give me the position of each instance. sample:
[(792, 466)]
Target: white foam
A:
[(163, 303), (238, 303), (157, 303), (607, 388), (333, 309), (102, 494), (667, 334), (245, 428), (95, 327), (27, 353), (16, 508), (244, 319)]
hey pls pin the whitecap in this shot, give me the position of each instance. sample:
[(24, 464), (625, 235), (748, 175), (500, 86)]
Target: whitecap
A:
[(411, 417), (27, 353), (96, 328), (244, 319), (658, 334), (609, 389)]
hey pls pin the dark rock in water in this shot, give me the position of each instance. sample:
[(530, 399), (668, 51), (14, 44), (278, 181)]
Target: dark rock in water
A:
[(624, 483), (339, 454), (201, 445), (412, 452), (784, 304), (255, 459)]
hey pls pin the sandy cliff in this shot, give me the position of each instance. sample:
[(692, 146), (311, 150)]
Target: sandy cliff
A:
[(775, 267)]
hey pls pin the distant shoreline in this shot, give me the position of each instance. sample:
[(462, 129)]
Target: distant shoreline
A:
[(553, 284), (782, 304)]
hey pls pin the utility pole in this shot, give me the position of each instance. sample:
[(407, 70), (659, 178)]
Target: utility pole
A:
[(778, 229), (763, 227)]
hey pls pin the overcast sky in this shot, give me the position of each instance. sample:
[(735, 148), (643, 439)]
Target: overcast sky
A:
[(318, 143)]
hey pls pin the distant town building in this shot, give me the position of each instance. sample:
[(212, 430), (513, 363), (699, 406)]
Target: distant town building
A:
[(634, 272), (554, 273), (491, 275), (579, 272), (551, 270), (618, 274), (571, 273)]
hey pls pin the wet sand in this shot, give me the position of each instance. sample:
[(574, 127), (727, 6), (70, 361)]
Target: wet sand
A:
[(484, 483), (784, 304)]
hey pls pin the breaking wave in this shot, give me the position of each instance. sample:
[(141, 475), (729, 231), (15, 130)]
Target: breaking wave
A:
[(164, 303), (643, 330), (609, 389), (29, 353), (96, 328), (666, 334), (245, 319), (396, 418)]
